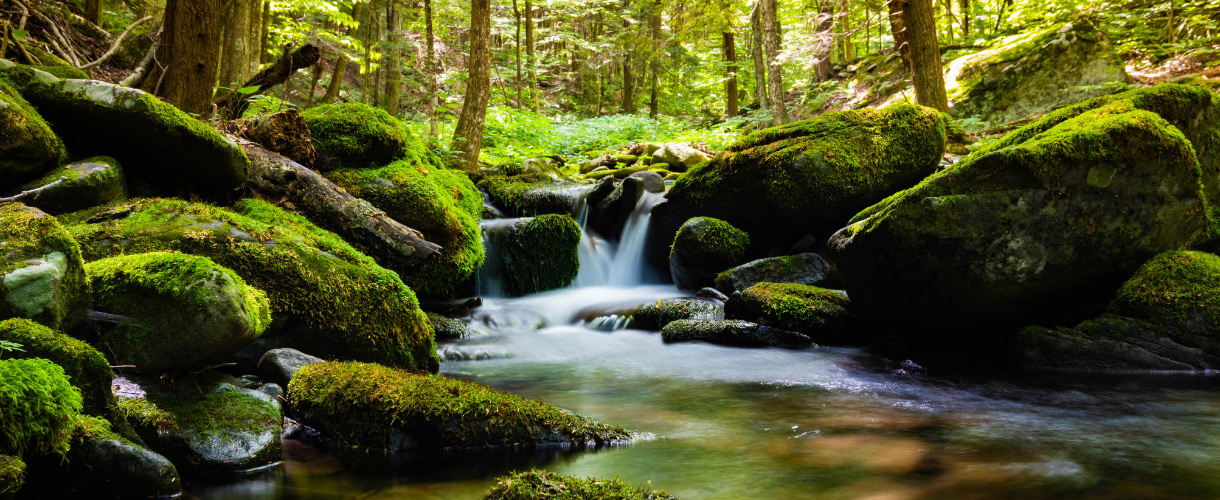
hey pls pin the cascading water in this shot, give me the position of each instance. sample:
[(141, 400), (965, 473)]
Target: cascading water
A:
[(621, 265), (490, 275)]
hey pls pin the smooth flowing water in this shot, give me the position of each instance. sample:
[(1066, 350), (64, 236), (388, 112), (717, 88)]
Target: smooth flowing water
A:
[(730, 423)]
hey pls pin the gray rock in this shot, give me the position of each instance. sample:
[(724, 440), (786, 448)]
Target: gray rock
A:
[(87, 183), (679, 156), (42, 276), (112, 466), (711, 293), (279, 365), (653, 182), (447, 328), (731, 332), (806, 268)]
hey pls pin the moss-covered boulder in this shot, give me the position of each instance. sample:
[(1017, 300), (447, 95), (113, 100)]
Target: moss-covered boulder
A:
[(1014, 233), (537, 254), (207, 425), (42, 276), (531, 195), (440, 203), (12, 476), (179, 311), (733, 333), (665, 311), (781, 183), (821, 314), (38, 408), (447, 328), (1033, 73), (325, 296), (534, 484), (397, 410), (154, 141), (28, 147), (355, 135), (702, 249), (109, 465), (806, 268), (76, 186)]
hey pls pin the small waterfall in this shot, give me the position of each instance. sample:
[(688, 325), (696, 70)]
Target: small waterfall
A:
[(628, 267), (490, 275)]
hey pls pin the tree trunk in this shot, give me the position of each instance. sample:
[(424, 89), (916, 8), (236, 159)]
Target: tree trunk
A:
[(468, 134), (366, 22), (775, 70), (898, 27), (517, 45), (431, 71), (628, 104), (264, 44), (393, 66), (654, 65), (965, 7), (826, 23), (730, 82), (233, 104), (756, 51), (336, 79), (925, 55), (237, 45), (187, 56), (529, 55), (93, 11)]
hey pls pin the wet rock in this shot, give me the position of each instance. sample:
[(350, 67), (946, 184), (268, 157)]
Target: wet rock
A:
[(540, 254), (532, 484), (611, 209), (806, 268), (531, 195), (711, 293), (28, 147), (108, 465), (180, 311), (824, 315), (87, 183), (279, 365), (653, 182), (447, 328), (702, 248), (42, 276), (732, 332), (655, 316)]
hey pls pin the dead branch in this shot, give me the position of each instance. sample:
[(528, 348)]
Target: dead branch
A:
[(233, 104), (114, 48)]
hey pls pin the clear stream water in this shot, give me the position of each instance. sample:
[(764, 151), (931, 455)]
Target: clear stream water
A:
[(730, 423)]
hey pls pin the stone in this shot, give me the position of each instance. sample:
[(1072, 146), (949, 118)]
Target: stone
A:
[(105, 463), (665, 311), (679, 156), (28, 147), (76, 186), (702, 248), (279, 365), (447, 328), (539, 254), (42, 275), (531, 195), (823, 315), (805, 268), (533, 484), (733, 333)]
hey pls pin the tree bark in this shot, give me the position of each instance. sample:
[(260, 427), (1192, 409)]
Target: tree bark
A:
[(730, 83), (898, 27), (468, 134), (965, 5), (336, 79), (233, 104), (237, 45), (517, 46), (264, 46), (654, 63), (93, 11), (775, 70), (431, 70), (756, 51), (284, 133), (188, 55), (529, 55), (920, 19), (393, 67), (826, 23)]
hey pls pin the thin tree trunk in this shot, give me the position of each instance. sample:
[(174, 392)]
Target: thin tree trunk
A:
[(468, 135), (898, 27), (925, 54), (187, 57), (654, 65), (264, 43), (517, 46), (431, 70), (999, 18), (826, 23), (730, 82), (233, 104), (965, 7), (365, 77), (393, 66), (760, 67), (529, 55), (775, 70), (336, 79), (93, 11)]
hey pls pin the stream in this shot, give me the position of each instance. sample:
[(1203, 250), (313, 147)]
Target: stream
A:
[(733, 423)]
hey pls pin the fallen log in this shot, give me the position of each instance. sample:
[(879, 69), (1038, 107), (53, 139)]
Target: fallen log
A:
[(232, 105), (284, 133), (368, 228)]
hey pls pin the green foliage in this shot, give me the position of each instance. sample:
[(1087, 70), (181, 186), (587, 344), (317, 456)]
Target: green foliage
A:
[(85, 367), (537, 484), (38, 407)]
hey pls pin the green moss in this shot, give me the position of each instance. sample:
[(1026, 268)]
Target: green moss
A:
[(86, 368), (793, 306), (339, 299), (87, 183), (537, 484), (663, 312), (215, 415), (354, 135), (732, 332), (366, 403), (713, 236), (28, 147), (442, 204), (12, 476), (1176, 289), (541, 254), (32, 238), (529, 195), (38, 407)]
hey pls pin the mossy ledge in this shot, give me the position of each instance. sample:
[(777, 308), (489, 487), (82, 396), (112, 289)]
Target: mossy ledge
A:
[(536, 484), (397, 410)]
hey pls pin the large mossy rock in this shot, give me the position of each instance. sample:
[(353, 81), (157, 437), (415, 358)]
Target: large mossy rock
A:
[(821, 314), (665, 311), (326, 297), (42, 276), (781, 183), (355, 135), (534, 484), (396, 410), (703, 248), (1035, 72), (806, 268), (180, 311), (1166, 317), (1048, 224), (530, 195), (76, 186), (733, 333), (208, 425), (106, 464), (28, 147), (38, 408), (539, 254), (154, 141), (440, 203)]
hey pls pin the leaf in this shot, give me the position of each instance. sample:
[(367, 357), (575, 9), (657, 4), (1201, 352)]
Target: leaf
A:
[(249, 90), (19, 34)]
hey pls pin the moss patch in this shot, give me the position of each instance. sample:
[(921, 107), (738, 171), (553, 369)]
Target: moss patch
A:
[(12, 475), (732, 332), (38, 407), (537, 484), (87, 183), (374, 406), (28, 147), (85, 367), (663, 312), (797, 307), (541, 254), (703, 247), (530, 195), (1175, 289), (41, 270), (354, 135)]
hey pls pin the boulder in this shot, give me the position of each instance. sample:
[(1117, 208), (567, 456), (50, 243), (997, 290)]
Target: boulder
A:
[(822, 314), (702, 248), (780, 183), (28, 147), (37, 408), (76, 186), (665, 311), (396, 410), (806, 268), (154, 141), (531, 195), (1034, 72), (534, 484), (679, 156), (107, 464), (179, 311), (441, 204), (447, 328), (734, 333), (42, 276), (355, 135), (611, 205), (279, 365), (207, 425), (539, 254), (1017, 233), (325, 296)]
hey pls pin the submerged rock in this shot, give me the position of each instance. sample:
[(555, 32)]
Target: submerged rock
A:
[(655, 316), (76, 186), (447, 328), (355, 135), (325, 296), (28, 147), (396, 410), (180, 311), (702, 248), (806, 268), (733, 332), (534, 484), (42, 276)]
